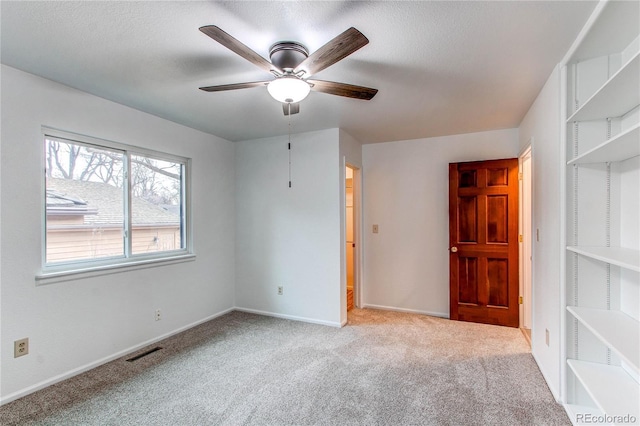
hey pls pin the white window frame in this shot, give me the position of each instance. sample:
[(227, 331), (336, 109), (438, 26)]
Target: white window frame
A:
[(64, 271)]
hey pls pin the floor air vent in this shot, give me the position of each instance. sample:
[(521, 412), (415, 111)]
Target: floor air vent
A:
[(143, 354)]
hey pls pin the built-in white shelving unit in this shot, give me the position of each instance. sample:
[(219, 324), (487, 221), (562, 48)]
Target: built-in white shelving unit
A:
[(619, 148), (614, 98), (605, 384), (601, 341), (619, 256), (615, 329)]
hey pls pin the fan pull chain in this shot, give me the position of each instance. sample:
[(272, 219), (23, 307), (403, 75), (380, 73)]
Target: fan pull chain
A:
[(289, 144)]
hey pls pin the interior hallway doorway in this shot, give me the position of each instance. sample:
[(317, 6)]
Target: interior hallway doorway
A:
[(350, 235)]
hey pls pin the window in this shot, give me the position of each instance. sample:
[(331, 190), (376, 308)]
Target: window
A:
[(111, 204)]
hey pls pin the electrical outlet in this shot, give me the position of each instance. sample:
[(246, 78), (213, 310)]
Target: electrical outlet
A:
[(21, 347), (158, 315), (546, 336), (280, 290)]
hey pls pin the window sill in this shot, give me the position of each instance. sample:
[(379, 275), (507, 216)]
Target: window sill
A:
[(50, 277)]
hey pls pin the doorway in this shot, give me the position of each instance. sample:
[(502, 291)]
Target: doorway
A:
[(526, 240), (351, 235), (483, 250)]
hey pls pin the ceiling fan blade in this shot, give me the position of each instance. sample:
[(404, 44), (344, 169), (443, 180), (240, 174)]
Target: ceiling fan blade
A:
[(234, 86), (343, 89), (238, 47), (335, 50), (292, 108)]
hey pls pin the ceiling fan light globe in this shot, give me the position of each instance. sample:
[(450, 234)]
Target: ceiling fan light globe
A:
[(288, 89)]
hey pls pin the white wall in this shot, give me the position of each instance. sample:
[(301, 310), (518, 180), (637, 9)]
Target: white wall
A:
[(78, 323), (406, 193), (285, 236), (542, 123)]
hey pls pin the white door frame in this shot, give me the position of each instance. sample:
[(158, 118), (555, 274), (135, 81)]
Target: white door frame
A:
[(525, 227), (357, 235)]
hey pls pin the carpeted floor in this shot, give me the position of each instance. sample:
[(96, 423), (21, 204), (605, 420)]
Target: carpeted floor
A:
[(383, 368)]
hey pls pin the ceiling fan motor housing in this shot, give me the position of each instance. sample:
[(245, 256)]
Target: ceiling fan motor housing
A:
[(287, 55)]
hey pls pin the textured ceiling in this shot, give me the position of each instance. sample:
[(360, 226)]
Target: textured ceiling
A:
[(441, 68)]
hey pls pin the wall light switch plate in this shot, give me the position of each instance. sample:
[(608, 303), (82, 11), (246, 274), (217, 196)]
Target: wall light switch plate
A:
[(375, 229)]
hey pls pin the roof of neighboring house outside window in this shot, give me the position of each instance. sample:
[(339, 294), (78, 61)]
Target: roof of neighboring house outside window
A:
[(102, 204)]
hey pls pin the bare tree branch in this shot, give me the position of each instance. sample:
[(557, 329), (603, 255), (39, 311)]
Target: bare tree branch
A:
[(155, 168)]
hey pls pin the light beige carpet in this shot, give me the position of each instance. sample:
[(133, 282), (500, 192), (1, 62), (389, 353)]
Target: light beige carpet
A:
[(383, 368)]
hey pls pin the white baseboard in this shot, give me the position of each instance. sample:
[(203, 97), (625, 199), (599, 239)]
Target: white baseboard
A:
[(289, 317), (410, 311), (92, 365), (554, 391)]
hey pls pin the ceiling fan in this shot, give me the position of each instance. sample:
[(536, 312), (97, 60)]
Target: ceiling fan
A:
[(292, 66)]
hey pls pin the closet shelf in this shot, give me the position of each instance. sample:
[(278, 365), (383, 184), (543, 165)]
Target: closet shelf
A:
[(617, 330), (614, 98), (610, 387), (623, 257), (615, 28), (621, 147)]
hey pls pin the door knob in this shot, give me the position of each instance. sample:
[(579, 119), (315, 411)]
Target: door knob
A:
[(454, 249)]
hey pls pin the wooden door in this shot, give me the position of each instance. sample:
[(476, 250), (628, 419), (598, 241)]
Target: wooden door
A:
[(483, 241)]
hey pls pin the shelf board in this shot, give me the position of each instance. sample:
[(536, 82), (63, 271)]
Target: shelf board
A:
[(601, 40), (610, 387), (623, 257), (617, 330), (616, 97), (621, 147)]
